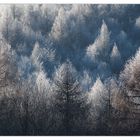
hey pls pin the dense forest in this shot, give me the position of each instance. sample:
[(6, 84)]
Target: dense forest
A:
[(69, 69)]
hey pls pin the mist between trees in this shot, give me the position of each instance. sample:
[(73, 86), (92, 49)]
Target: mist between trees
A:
[(69, 69)]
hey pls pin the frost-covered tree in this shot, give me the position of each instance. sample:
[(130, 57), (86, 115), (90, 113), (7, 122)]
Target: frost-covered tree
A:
[(11, 27), (130, 75), (115, 59), (100, 48), (130, 78), (137, 23), (8, 81), (98, 98), (6, 20), (43, 57), (37, 104), (59, 24), (69, 100), (43, 105), (42, 82), (35, 56), (4, 61), (119, 109)]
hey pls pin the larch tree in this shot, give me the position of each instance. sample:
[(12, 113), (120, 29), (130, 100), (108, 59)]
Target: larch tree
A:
[(35, 56), (69, 99), (130, 74), (11, 27), (130, 87), (130, 77), (59, 25), (98, 99), (100, 48), (8, 83), (42, 104), (115, 59), (43, 57), (4, 61), (6, 20)]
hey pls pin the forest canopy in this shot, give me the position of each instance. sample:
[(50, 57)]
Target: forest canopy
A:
[(69, 69)]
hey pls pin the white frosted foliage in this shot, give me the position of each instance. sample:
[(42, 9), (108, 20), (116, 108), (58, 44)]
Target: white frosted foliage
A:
[(42, 82), (131, 73), (98, 92), (137, 23), (115, 52), (100, 47)]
